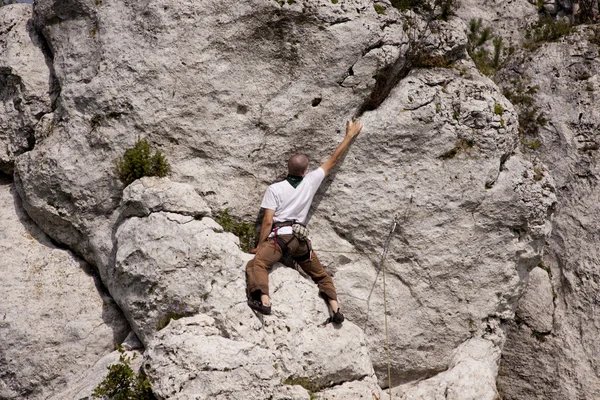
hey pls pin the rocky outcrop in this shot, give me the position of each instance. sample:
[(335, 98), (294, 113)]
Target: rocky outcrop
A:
[(474, 361), (228, 91), (26, 89), (536, 307), (507, 19), (54, 321), (567, 76), (470, 213), (180, 280)]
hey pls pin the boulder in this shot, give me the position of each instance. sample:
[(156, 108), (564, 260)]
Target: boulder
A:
[(235, 354), (536, 307), (150, 194), (476, 360), (56, 320), (167, 264)]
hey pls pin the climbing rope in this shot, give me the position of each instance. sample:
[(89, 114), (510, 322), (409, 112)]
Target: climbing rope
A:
[(346, 252), (387, 337), (382, 269)]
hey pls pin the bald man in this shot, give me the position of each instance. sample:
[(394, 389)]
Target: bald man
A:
[(286, 205)]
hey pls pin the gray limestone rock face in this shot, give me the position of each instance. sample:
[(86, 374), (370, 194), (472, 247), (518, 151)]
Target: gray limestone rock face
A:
[(470, 215), (476, 360), (25, 83), (181, 282), (563, 363), (235, 354), (54, 322), (536, 307), (507, 19), (229, 91)]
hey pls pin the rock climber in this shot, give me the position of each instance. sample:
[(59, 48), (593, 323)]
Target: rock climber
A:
[(283, 230)]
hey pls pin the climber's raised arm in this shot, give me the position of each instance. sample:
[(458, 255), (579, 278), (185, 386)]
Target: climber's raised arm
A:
[(352, 129)]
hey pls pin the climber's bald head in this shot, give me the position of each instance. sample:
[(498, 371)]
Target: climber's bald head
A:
[(297, 164)]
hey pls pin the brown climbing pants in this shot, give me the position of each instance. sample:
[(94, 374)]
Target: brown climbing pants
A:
[(268, 254)]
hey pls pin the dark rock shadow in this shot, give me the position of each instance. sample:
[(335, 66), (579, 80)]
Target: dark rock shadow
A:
[(5, 179)]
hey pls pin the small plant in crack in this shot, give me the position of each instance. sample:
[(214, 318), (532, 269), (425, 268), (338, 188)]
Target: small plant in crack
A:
[(176, 309), (379, 8), (546, 29), (538, 174), (122, 383), (139, 161), (246, 231), (531, 118), (463, 145), (545, 268), (477, 40)]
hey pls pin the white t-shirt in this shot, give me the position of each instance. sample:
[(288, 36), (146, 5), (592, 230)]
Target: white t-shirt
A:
[(293, 204)]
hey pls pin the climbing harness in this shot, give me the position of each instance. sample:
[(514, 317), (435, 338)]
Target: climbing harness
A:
[(295, 228)]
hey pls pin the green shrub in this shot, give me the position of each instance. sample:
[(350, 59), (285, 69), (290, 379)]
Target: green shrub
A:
[(498, 109), (545, 30), (7, 2), (428, 61), (122, 383), (139, 161), (379, 9), (476, 47), (244, 230), (522, 97), (404, 5), (531, 144)]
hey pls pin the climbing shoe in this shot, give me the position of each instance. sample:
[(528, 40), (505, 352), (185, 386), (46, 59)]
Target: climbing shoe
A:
[(338, 317), (257, 305)]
